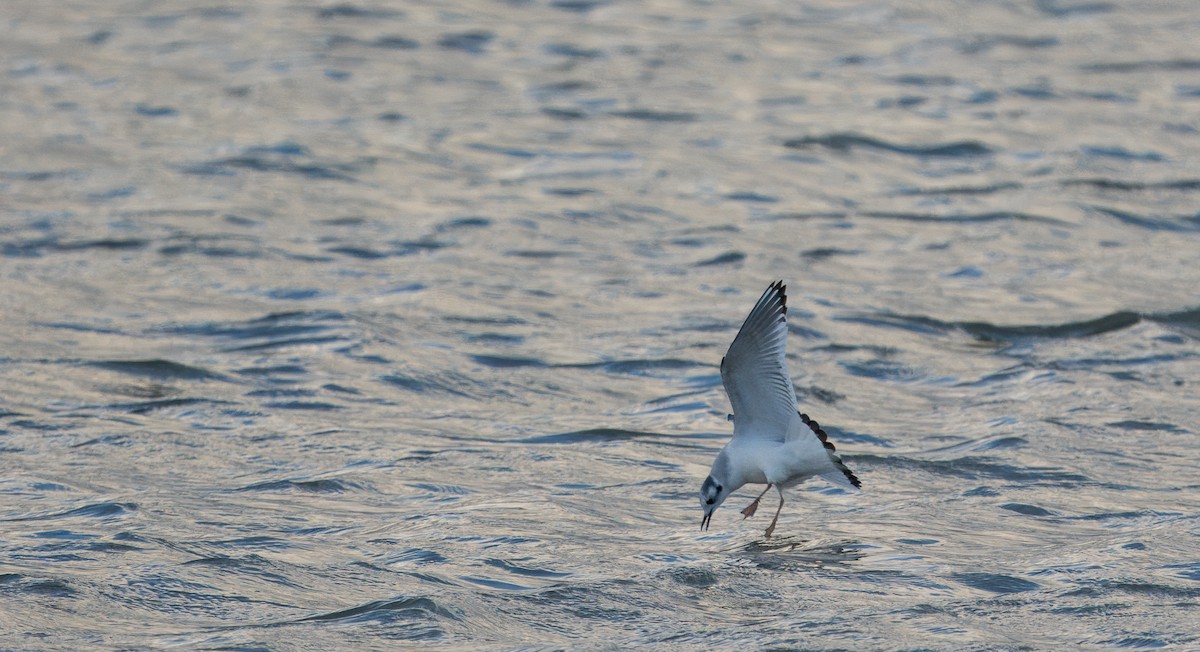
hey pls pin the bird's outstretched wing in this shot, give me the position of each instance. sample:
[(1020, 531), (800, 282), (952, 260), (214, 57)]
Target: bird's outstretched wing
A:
[(755, 373)]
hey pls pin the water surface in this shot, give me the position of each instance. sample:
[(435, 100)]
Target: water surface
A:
[(375, 325)]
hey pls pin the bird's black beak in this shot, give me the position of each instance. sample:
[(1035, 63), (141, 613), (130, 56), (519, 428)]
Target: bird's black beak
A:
[(704, 522)]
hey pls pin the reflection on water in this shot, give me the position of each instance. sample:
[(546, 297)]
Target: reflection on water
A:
[(357, 324)]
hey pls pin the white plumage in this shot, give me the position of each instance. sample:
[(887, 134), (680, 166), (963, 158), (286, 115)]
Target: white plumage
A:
[(773, 442)]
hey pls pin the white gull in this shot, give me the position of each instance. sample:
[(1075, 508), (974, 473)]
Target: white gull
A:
[(773, 442)]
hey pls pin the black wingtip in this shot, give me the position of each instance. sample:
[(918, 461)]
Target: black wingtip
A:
[(781, 289), (824, 438)]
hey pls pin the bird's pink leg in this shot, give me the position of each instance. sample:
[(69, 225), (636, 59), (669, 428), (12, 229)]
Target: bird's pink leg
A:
[(771, 527), (753, 507)]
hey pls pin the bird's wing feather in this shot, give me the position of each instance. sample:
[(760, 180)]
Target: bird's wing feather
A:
[(755, 373)]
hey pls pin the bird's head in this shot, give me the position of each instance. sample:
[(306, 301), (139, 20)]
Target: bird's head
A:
[(713, 492)]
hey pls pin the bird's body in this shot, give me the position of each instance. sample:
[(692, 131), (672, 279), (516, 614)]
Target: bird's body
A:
[(773, 442)]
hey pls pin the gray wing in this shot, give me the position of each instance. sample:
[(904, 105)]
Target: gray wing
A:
[(755, 373)]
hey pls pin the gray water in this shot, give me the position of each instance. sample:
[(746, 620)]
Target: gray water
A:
[(379, 325)]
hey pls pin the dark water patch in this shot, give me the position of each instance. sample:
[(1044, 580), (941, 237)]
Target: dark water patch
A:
[(40, 426), (394, 250), (103, 510), (394, 42), (569, 192), (578, 6), (340, 389), (449, 382), (325, 485), (700, 578), (592, 435), (1067, 8), (728, 258), (382, 611), (262, 542), (1121, 153), (994, 583), (978, 468), (560, 89), (472, 42), (158, 369), (107, 440), (362, 253), (486, 321), (461, 223), (146, 407), (962, 190), (495, 338), (146, 391), (648, 115), (275, 327), (37, 248), (1106, 587), (1100, 363), (822, 253), (1027, 510), (965, 218), (63, 534), (495, 584), (416, 556), (524, 570), (276, 370), (13, 584), (559, 113), (697, 406), (280, 392), (639, 367), (1169, 65), (293, 294), (983, 444), (536, 254), (319, 406), (987, 332), (1135, 186), (505, 362), (151, 111), (986, 42), (1188, 571), (440, 488), (1184, 223), (214, 246), (925, 80), (40, 175), (752, 197), (845, 142), (1185, 321), (512, 152), (572, 51), (284, 158), (883, 370), (350, 10), (1147, 426), (110, 194), (252, 565)]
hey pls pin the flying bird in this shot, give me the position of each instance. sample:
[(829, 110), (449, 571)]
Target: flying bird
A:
[(773, 442)]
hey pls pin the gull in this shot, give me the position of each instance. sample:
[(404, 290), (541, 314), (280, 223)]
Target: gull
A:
[(773, 442)]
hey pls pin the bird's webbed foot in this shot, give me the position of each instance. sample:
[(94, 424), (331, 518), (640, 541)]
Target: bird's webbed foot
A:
[(750, 509)]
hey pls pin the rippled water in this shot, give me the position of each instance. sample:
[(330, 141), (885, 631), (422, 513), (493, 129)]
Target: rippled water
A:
[(363, 325)]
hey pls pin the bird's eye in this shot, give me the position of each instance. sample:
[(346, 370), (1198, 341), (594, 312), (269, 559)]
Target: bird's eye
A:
[(719, 488)]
